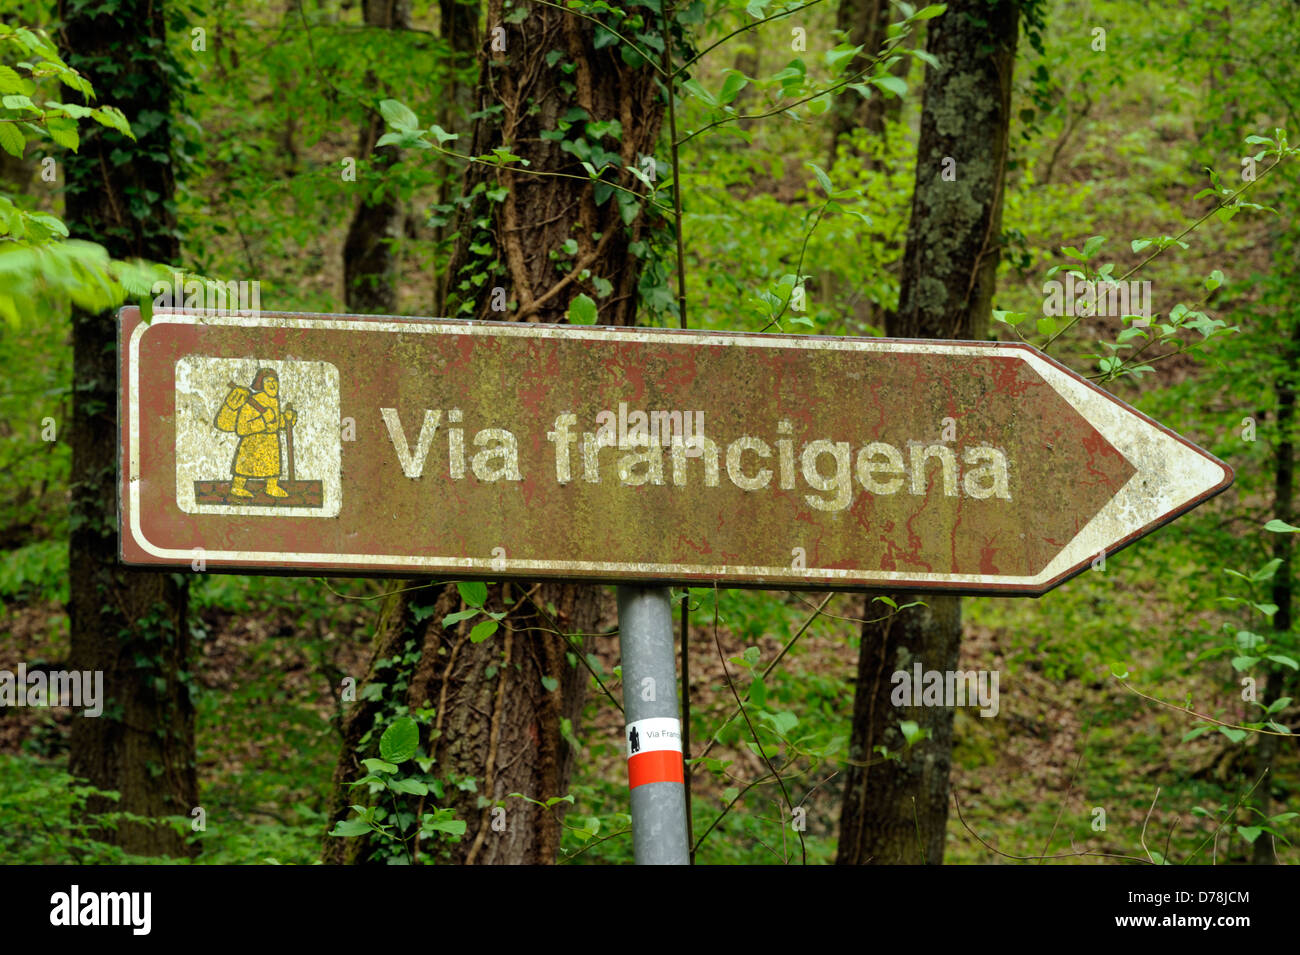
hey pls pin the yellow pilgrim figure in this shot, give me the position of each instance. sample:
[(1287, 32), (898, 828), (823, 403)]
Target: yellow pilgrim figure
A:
[(259, 425)]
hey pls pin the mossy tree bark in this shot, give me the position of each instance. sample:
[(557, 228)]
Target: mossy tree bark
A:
[(896, 810), (130, 625)]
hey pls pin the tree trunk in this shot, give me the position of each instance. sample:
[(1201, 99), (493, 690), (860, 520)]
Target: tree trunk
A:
[(1281, 682), (458, 25), (131, 625), (897, 810), (495, 721), (865, 23), (369, 262)]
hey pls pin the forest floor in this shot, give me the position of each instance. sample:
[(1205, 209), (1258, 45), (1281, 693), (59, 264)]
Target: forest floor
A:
[(1022, 780)]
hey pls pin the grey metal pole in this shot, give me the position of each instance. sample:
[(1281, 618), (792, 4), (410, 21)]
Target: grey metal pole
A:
[(653, 734)]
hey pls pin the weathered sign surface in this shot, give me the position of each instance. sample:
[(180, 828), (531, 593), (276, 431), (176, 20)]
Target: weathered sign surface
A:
[(347, 445)]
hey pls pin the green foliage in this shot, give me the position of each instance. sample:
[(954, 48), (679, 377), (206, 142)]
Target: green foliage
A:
[(395, 835), (773, 220), (45, 820), (41, 269)]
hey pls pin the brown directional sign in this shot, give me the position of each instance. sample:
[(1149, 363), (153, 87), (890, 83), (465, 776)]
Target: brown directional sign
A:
[(347, 445)]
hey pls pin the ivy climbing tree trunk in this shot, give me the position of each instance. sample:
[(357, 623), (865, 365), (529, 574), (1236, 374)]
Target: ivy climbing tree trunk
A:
[(129, 625), (502, 707), (369, 261), (896, 810), (458, 25)]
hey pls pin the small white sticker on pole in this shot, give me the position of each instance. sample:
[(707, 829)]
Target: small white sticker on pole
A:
[(654, 751)]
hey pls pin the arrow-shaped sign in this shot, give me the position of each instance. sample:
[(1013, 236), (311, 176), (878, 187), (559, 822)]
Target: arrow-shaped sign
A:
[(351, 445)]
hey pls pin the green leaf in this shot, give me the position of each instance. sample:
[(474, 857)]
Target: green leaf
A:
[(501, 155), (398, 114), (912, 731), (1092, 245), (694, 88), (473, 592), (1284, 660), (459, 615), (483, 630), (1250, 833), (1204, 324), (11, 141), (551, 684), (929, 59), (442, 821), (375, 765), (1139, 244), (412, 786), (758, 692), (891, 84), (442, 135), (1247, 640), (1280, 527), (63, 131), (350, 827), (839, 58), (1267, 571), (732, 85), (823, 180), (1214, 281), (1233, 734), (930, 12), (11, 82), (70, 109), (783, 723), (582, 310), (400, 740), (55, 226), (628, 207)]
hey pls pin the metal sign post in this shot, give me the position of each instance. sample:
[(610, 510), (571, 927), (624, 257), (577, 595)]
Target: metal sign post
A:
[(654, 733)]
